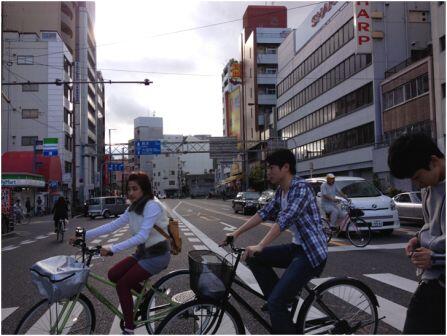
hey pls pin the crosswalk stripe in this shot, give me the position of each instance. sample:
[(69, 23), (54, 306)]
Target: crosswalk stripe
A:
[(41, 237), (395, 246), (8, 311), (395, 281), (112, 240), (188, 234), (9, 248), (200, 247), (96, 241), (27, 242)]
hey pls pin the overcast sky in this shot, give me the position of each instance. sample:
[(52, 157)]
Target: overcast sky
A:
[(185, 66)]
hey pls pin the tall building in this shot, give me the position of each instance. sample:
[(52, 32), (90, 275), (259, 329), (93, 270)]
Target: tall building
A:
[(438, 43), (74, 23), (100, 135), (146, 128), (329, 104), (33, 112)]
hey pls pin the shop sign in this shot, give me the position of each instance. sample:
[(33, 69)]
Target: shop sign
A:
[(362, 27), (322, 12), (22, 183), (6, 199)]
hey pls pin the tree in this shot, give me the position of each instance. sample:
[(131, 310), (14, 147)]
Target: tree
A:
[(256, 179)]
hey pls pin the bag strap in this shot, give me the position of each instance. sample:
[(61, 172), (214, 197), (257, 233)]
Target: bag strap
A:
[(162, 232)]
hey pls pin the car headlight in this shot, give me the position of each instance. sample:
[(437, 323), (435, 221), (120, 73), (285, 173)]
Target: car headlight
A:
[(392, 205)]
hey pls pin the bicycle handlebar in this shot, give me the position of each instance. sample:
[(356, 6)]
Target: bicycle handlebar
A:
[(229, 240)]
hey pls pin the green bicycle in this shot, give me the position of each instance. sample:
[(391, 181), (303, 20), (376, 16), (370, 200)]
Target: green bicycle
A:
[(76, 314)]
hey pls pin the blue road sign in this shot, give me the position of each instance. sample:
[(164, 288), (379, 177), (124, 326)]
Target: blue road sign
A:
[(50, 152), (116, 166), (148, 147)]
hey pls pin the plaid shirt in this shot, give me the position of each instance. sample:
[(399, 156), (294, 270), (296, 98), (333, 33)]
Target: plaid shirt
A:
[(302, 211)]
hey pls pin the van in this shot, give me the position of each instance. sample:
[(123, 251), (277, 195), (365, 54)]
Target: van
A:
[(380, 210), (106, 206)]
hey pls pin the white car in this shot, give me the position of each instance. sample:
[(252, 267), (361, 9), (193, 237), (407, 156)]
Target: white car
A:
[(380, 210)]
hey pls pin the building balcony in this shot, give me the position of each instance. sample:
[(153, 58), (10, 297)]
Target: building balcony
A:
[(67, 104), (263, 78), (91, 135), (267, 58), (266, 99), (91, 117), (268, 38)]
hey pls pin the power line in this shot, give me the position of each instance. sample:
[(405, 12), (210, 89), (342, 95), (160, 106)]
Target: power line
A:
[(59, 82)]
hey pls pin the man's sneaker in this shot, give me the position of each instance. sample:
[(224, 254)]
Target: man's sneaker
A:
[(128, 332)]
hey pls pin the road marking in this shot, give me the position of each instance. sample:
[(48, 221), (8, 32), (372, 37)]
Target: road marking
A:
[(194, 240), (104, 236), (394, 314), (228, 226), (395, 281), (51, 233), (188, 233), (41, 237), (8, 311), (205, 218), (96, 241), (396, 246), (112, 240), (27, 242), (184, 230), (200, 247), (9, 248), (118, 234)]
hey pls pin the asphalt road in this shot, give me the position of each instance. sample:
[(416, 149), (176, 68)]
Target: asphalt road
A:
[(382, 265)]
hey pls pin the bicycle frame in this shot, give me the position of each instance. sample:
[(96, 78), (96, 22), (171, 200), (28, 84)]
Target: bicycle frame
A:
[(147, 286)]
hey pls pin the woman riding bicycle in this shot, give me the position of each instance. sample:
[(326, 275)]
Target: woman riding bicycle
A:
[(60, 211), (295, 208), (153, 251)]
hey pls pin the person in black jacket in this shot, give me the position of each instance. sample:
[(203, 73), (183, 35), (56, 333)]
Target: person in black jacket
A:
[(60, 211)]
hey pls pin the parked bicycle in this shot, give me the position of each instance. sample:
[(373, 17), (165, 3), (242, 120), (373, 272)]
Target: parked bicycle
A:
[(356, 228), (66, 310), (336, 306)]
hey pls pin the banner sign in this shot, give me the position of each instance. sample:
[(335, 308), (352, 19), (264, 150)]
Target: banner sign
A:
[(50, 146), (363, 27)]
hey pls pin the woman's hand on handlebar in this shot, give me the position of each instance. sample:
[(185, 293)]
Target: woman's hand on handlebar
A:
[(105, 252), (250, 251), (229, 239)]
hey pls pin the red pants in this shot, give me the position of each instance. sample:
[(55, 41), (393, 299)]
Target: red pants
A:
[(127, 275)]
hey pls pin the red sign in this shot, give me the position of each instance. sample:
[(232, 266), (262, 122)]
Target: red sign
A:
[(6, 199), (362, 27), (322, 12)]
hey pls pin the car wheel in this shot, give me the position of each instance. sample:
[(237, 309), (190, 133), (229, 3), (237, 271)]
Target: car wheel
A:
[(106, 214), (244, 211)]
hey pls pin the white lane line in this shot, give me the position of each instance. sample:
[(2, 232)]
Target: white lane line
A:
[(96, 241), (8, 311), (51, 233), (228, 226), (188, 234), (118, 234), (395, 281), (112, 240), (41, 237), (194, 240), (104, 236), (184, 230), (199, 247), (205, 218), (9, 248), (242, 271), (27, 242), (394, 314), (396, 246)]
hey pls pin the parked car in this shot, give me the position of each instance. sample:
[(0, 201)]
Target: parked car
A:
[(265, 198), (106, 206), (380, 210), (161, 195), (246, 201), (409, 206)]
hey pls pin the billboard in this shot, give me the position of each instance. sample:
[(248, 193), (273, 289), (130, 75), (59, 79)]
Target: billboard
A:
[(234, 113), (362, 27)]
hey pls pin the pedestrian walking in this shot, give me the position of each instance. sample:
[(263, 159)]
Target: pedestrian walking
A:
[(417, 157), (28, 206)]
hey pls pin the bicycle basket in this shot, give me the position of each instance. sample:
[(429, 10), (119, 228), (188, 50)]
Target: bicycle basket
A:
[(354, 212), (210, 274), (59, 277)]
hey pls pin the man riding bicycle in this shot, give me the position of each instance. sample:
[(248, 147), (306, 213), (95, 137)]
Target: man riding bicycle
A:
[(296, 209), (329, 202)]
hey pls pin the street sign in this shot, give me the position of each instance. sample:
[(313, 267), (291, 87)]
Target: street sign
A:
[(50, 146), (223, 148), (115, 167), (147, 147), (52, 184)]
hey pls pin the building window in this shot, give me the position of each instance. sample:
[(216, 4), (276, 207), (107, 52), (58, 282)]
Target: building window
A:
[(30, 87), (171, 183), (68, 142), (443, 90), (416, 87), (172, 172), (442, 42), (29, 140), (30, 113), (270, 71), (67, 167), (25, 60)]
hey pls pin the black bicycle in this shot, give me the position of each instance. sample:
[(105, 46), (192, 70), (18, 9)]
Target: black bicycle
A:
[(336, 306), (60, 229)]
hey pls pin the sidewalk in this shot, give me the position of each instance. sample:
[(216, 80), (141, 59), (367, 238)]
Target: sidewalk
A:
[(34, 220)]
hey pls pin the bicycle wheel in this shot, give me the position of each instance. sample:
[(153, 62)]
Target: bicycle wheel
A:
[(42, 318), (359, 232), (327, 229), (202, 318), (339, 306), (175, 287)]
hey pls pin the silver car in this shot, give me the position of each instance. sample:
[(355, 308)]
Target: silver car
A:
[(106, 206), (409, 206)]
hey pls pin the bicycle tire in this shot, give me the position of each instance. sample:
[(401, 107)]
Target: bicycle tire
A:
[(39, 314), (202, 317), (333, 297), (327, 229), (176, 286), (358, 232)]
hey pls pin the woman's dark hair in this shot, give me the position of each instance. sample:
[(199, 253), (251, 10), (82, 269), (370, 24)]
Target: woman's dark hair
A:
[(411, 152), (282, 156), (142, 179), (61, 201)]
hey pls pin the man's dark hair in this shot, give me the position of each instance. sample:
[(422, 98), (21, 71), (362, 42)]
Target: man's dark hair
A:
[(282, 156), (411, 152)]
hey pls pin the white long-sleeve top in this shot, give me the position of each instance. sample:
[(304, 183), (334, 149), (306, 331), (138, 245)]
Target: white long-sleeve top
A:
[(141, 227)]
